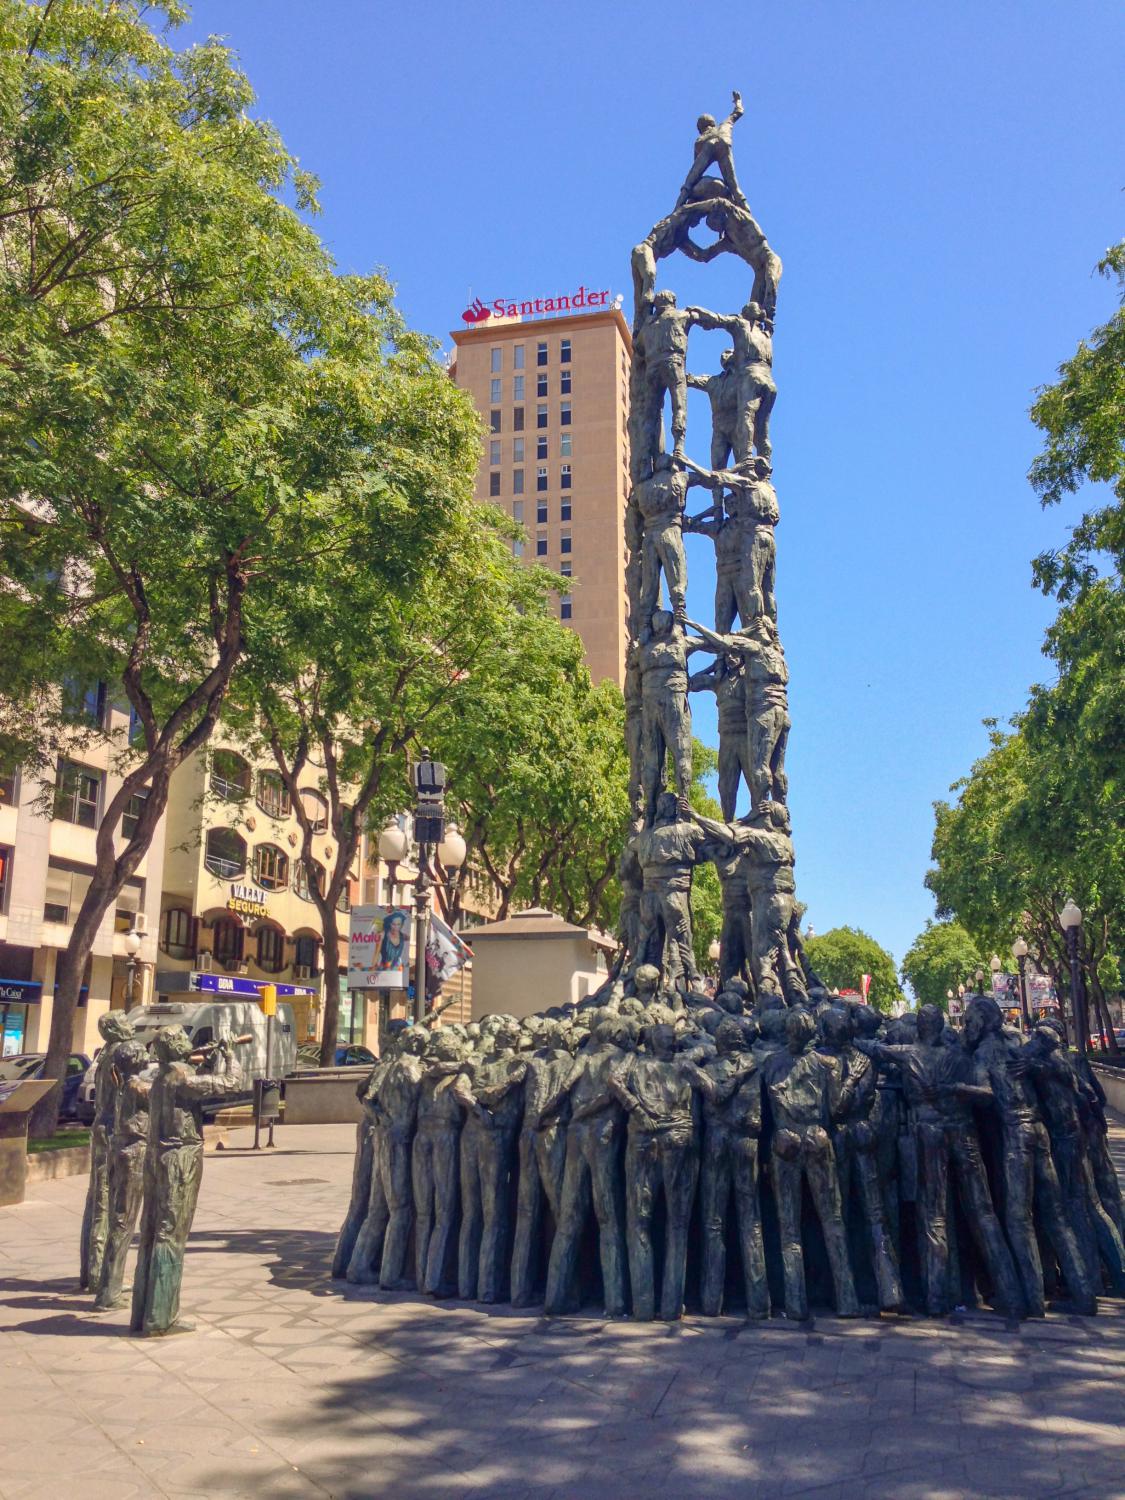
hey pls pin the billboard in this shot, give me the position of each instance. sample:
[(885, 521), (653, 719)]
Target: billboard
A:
[(379, 948)]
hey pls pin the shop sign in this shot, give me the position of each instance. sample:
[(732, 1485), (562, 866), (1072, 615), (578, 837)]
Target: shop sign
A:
[(535, 307), (247, 901), (20, 992), (249, 989)]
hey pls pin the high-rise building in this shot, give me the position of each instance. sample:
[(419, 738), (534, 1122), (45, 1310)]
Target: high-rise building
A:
[(553, 392)]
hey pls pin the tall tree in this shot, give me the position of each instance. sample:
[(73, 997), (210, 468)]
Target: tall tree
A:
[(940, 958), (190, 402), (844, 954)]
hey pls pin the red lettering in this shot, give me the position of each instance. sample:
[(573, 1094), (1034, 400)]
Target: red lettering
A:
[(604, 295), (526, 309), (511, 309), (580, 297), (498, 308), (539, 304)]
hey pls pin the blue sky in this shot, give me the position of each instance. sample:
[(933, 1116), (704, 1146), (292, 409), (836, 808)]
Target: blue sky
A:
[(939, 179)]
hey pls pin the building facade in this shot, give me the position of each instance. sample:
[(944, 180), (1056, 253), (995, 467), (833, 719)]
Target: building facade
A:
[(553, 393), (48, 827)]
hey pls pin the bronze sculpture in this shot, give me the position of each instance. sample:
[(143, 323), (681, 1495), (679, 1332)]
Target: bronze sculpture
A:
[(488, 1090), (115, 1028), (435, 1162), (128, 1141)]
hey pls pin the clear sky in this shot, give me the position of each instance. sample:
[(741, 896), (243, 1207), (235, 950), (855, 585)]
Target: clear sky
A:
[(939, 178)]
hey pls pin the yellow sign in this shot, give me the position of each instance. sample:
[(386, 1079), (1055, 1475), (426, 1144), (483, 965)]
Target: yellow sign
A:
[(247, 901), (267, 998)]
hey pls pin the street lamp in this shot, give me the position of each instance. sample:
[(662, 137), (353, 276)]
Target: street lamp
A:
[(132, 948), (1019, 953), (430, 834), (393, 849), (1070, 920)]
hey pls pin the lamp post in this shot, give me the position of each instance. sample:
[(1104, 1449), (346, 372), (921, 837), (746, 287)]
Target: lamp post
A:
[(132, 948), (429, 834), (1070, 920), (393, 849), (1019, 953)]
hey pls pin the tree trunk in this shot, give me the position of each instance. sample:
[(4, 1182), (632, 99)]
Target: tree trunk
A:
[(331, 1021)]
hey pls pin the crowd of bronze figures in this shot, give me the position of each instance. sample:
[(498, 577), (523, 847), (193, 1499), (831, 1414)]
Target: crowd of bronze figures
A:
[(612, 1157)]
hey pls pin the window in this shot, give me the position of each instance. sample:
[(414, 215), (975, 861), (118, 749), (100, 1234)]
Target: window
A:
[(230, 776), (132, 813), (564, 351), (541, 546), (541, 477), (517, 481), (564, 477), (564, 510), (566, 568), (566, 610), (494, 451), (517, 357), (227, 940), (5, 877), (136, 728), (271, 867), (271, 949), (564, 414), (497, 362), (177, 932), (517, 387), (541, 354), (564, 542), (343, 901), (301, 879), (8, 790), (541, 447), (77, 793), (541, 513), (517, 511), (517, 450), (540, 416), (316, 809), (225, 853), (83, 701), (517, 547), (494, 420), (541, 386), (517, 418), (565, 441), (306, 953), (494, 482), (494, 390), (273, 797), (564, 383)]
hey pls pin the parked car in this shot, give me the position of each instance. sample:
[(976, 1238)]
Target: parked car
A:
[(350, 1055), (1101, 1039), (30, 1065)]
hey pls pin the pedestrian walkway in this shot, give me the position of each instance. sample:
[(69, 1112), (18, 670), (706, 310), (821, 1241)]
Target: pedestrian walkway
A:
[(294, 1387)]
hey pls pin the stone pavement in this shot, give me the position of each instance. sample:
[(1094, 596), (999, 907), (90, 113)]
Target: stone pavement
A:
[(292, 1387)]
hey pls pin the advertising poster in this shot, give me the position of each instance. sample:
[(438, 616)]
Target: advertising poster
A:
[(379, 948)]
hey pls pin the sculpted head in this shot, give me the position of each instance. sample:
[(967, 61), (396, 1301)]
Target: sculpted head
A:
[(799, 1029), (983, 1018), (662, 622), (727, 355), (1050, 1032), (752, 312), (662, 463), (414, 1041), (731, 1036), (667, 808), (444, 1048), (646, 981), (130, 1058), (867, 1020), (931, 1024), (705, 122), (836, 1025), (115, 1026), (771, 1023), (172, 1044), (661, 1041), (663, 301)]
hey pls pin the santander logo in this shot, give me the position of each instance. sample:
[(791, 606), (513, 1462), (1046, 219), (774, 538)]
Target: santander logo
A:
[(583, 300)]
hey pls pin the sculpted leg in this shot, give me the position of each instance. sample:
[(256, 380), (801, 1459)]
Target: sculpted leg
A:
[(472, 1215), (178, 1183), (642, 1170), (144, 1254), (400, 1211), (934, 1227), (445, 1171), (1019, 1178), (1049, 1201), (611, 1235), (562, 1288), (360, 1199), (984, 1225), (126, 1179), (95, 1216), (820, 1167), (495, 1161), (714, 1194), (550, 1153), (887, 1276), (748, 1207), (730, 769), (787, 1176), (527, 1222), (363, 1268), (680, 1163), (422, 1182)]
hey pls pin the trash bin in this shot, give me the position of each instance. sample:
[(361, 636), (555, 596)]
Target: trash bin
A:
[(17, 1100), (267, 1101)]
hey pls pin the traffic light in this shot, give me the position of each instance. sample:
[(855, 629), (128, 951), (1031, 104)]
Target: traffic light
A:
[(267, 998)]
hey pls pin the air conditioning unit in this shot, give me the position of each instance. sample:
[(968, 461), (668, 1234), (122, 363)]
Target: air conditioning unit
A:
[(242, 968), (140, 922), (302, 971), (204, 962)]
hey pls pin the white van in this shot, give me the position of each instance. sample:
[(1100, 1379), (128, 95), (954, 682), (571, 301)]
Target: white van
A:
[(210, 1021)]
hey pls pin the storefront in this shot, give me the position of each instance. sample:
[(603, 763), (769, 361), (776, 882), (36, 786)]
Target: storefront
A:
[(15, 997)]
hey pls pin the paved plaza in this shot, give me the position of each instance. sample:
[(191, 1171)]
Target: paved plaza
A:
[(292, 1387)]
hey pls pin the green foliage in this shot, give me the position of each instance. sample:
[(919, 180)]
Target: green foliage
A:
[(844, 954), (706, 888), (941, 957)]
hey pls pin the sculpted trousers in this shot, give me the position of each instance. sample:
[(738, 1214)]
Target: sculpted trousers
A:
[(665, 934), (434, 1173), (96, 1212), (486, 1161), (663, 547), (126, 1187), (1031, 1181), (855, 1159), (736, 942), (542, 1156), (730, 1164), (652, 1158), (171, 1191), (1099, 1242), (734, 762), (360, 1199), (590, 1171), (809, 1156), (939, 1145), (769, 736), (393, 1165), (363, 1268), (665, 726), (1105, 1173)]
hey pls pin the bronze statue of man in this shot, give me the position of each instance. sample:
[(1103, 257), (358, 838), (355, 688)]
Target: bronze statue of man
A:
[(380, 1248), (740, 234), (172, 1174), (665, 712), (745, 546), (115, 1027), (752, 367), (713, 145), (363, 1167), (767, 703), (488, 1088), (592, 1171), (1031, 1184), (660, 500), (434, 1165), (549, 1072), (726, 678), (660, 352), (731, 1086), (807, 1090), (128, 1141), (722, 392)]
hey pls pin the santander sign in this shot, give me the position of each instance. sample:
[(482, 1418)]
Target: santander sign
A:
[(580, 301)]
